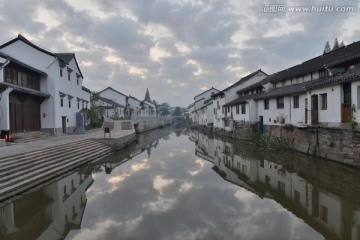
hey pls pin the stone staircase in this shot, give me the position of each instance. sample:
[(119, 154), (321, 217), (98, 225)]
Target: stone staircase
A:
[(24, 137), (21, 172)]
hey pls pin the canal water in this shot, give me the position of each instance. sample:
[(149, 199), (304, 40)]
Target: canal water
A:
[(187, 185)]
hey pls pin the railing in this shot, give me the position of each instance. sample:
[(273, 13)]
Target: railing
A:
[(137, 118)]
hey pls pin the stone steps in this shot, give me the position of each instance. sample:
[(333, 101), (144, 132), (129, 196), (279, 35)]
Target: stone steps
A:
[(24, 171), (11, 170), (32, 156)]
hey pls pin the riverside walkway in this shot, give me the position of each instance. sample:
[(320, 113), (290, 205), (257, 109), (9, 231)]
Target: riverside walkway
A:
[(24, 166)]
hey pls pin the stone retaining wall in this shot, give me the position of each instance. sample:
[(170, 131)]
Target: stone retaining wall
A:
[(146, 124), (117, 143), (341, 145), (338, 144)]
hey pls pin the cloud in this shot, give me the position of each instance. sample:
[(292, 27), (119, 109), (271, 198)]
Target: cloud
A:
[(183, 46)]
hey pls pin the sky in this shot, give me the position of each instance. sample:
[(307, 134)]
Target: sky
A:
[(179, 48)]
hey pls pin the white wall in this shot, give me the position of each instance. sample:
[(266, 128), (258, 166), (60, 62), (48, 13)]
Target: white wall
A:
[(68, 87), (333, 112), (210, 113), (218, 121), (114, 96), (231, 94), (206, 95), (273, 112), (355, 98), (297, 115), (135, 105), (51, 111)]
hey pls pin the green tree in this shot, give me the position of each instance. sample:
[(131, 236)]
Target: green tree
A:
[(177, 111), (94, 113), (164, 109)]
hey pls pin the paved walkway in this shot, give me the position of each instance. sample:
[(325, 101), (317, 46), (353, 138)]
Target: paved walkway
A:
[(19, 148)]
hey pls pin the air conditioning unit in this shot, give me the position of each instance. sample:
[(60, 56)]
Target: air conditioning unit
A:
[(280, 119)]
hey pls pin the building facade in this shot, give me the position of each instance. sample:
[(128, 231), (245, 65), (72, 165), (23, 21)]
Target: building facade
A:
[(40, 90)]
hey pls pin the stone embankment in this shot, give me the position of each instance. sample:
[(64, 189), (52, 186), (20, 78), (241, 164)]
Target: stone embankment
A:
[(338, 144), (21, 172)]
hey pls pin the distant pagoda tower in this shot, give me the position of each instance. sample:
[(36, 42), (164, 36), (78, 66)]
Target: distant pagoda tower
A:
[(147, 95)]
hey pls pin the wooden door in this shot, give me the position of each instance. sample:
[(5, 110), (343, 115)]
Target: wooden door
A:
[(314, 109), (346, 106), (63, 119), (306, 110)]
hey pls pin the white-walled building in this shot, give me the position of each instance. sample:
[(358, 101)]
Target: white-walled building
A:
[(224, 116), (134, 106), (114, 103), (40, 90), (200, 114), (324, 91)]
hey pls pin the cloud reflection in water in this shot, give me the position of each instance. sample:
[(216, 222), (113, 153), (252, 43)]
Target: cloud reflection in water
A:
[(180, 197)]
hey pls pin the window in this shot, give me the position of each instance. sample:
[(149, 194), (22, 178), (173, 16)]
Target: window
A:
[(266, 103), (280, 102), (323, 101), (69, 76), (61, 102), (22, 77), (61, 72), (324, 213), (296, 101), (69, 103), (237, 109), (243, 108), (78, 105), (324, 74)]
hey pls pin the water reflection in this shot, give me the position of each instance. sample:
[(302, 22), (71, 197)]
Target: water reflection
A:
[(167, 187), (322, 193), (48, 213)]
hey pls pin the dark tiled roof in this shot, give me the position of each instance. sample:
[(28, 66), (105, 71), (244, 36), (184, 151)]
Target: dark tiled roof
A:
[(244, 79), (22, 64), (110, 88), (309, 85), (85, 89), (134, 98), (343, 78), (253, 86), (212, 88), (63, 57), (66, 58), (21, 38), (25, 90), (283, 91), (243, 99), (111, 102), (343, 54)]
